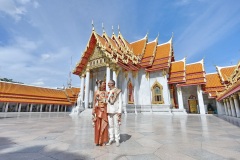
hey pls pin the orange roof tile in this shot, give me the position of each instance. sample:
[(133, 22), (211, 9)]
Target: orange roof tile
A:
[(225, 72), (195, 74), (150, 49), (138, 47), (12, 92), (177, 66), (194, 68), (213, 80), (163, 51)]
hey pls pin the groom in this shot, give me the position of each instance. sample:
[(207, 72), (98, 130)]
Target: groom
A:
[(114, 110)]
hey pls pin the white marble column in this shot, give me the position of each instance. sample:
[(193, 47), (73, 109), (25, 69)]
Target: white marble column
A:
[(135, 93), (180, 98), (31, 106), (50, 108), (220, 108), (58, 108), (108, 74), (65, 109), (82, 89), (41, 107), (225, 106), (115, 77), (86, 97), (232, 107), (19, 107), (236, 104), (6, 107), (229, 107), (200, 100)]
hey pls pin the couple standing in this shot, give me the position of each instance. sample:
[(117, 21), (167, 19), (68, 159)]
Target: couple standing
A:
[(107, 113)]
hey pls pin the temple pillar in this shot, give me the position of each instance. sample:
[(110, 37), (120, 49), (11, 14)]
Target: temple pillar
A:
[(82, 89), (58, 108), (50, 108), (200, 100), (65, 110), (31, 106), (107, 75), (86, 98), (180, 98), (135, 93), (225, 106), (41, 107), (115, 77), (6, 107), (19, 107), (229, 108), (232, 107), (236, 104), (220, 108)]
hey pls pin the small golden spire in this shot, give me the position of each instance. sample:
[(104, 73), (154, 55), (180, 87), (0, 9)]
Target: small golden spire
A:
[(118, 29), (92, 26), (103, 28), (112, 30)]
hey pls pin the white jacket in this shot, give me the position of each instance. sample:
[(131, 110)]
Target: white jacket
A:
[(117, 106)]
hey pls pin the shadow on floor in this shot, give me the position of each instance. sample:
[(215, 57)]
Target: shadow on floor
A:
[(233, 120), (11, 150), (124, 137)]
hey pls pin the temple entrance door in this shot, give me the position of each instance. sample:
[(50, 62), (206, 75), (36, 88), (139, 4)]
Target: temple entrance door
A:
[(192, 104)]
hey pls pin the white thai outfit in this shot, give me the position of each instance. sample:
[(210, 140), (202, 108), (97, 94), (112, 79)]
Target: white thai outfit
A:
[(113, 109)]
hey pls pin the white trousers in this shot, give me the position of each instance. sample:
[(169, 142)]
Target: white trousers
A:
[(114, 128)]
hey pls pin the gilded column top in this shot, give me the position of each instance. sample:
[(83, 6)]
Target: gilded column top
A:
[(234, 96)]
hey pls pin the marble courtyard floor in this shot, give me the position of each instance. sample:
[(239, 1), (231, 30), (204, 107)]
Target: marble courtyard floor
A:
[(57, 136)]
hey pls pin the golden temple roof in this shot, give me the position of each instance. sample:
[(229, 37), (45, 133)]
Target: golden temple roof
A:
[(20, 93), (130, 56), (177, 72), (195, 74), (213, 85), (225, 72)]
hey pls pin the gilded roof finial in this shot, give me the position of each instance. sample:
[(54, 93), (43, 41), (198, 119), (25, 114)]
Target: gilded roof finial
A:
[(146, 35), (92, 26), (103, 28), (112, 30), (119, 30)]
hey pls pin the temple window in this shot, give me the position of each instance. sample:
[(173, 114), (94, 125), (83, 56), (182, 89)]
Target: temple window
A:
[(130, 92), (157, 93)]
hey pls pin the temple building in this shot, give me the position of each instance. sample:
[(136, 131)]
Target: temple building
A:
[(16, 97), (152, 80)]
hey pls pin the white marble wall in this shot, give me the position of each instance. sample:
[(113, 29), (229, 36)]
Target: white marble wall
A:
[(144, 89), (162, 79)]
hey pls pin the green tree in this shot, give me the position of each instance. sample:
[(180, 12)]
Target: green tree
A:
[(9, 80)]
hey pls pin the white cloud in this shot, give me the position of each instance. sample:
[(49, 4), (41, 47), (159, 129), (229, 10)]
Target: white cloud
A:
[(45, 56), (10, 8), (16, 8), (209, 27), (38, 82)]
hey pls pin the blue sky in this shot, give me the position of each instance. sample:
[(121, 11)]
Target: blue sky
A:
[(39, 37)]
